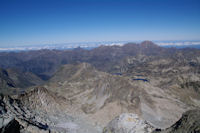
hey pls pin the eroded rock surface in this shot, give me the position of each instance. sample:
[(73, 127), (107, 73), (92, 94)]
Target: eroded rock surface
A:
[(189, 123), (16, 116), (128, 123)]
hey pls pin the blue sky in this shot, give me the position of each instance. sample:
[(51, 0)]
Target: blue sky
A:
[(28, 22)]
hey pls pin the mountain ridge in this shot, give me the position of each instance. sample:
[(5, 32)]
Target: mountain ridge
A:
[(44, 63)]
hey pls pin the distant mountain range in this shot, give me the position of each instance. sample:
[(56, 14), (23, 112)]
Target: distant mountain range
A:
[(91, 45)]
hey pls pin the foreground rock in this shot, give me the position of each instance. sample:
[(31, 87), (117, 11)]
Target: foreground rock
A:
[(189, 123), (128, 123), (14, 117), (18, 116), (131, 123)]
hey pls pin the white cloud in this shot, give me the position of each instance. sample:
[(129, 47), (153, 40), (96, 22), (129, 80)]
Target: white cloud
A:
[(181, 43)]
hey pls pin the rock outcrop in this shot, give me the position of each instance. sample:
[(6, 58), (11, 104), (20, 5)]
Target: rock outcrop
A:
[(41, 99), (14, 117), (189, 123), (25, 116), (128, 123)]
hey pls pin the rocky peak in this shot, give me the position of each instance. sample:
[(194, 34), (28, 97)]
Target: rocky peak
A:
[(42, 99), (148, 44)]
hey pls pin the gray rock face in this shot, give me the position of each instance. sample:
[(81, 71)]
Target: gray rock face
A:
[(128, 123), (189, 123), (12, 127), (15, 117)]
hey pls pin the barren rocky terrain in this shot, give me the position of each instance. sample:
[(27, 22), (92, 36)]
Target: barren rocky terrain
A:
[(119, 89)]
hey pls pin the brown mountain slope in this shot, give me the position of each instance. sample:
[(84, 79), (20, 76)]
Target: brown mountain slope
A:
[(178, 75), (96, 93), (88, 88)]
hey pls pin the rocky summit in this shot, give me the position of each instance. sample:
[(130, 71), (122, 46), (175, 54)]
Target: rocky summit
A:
[(134, 88)]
